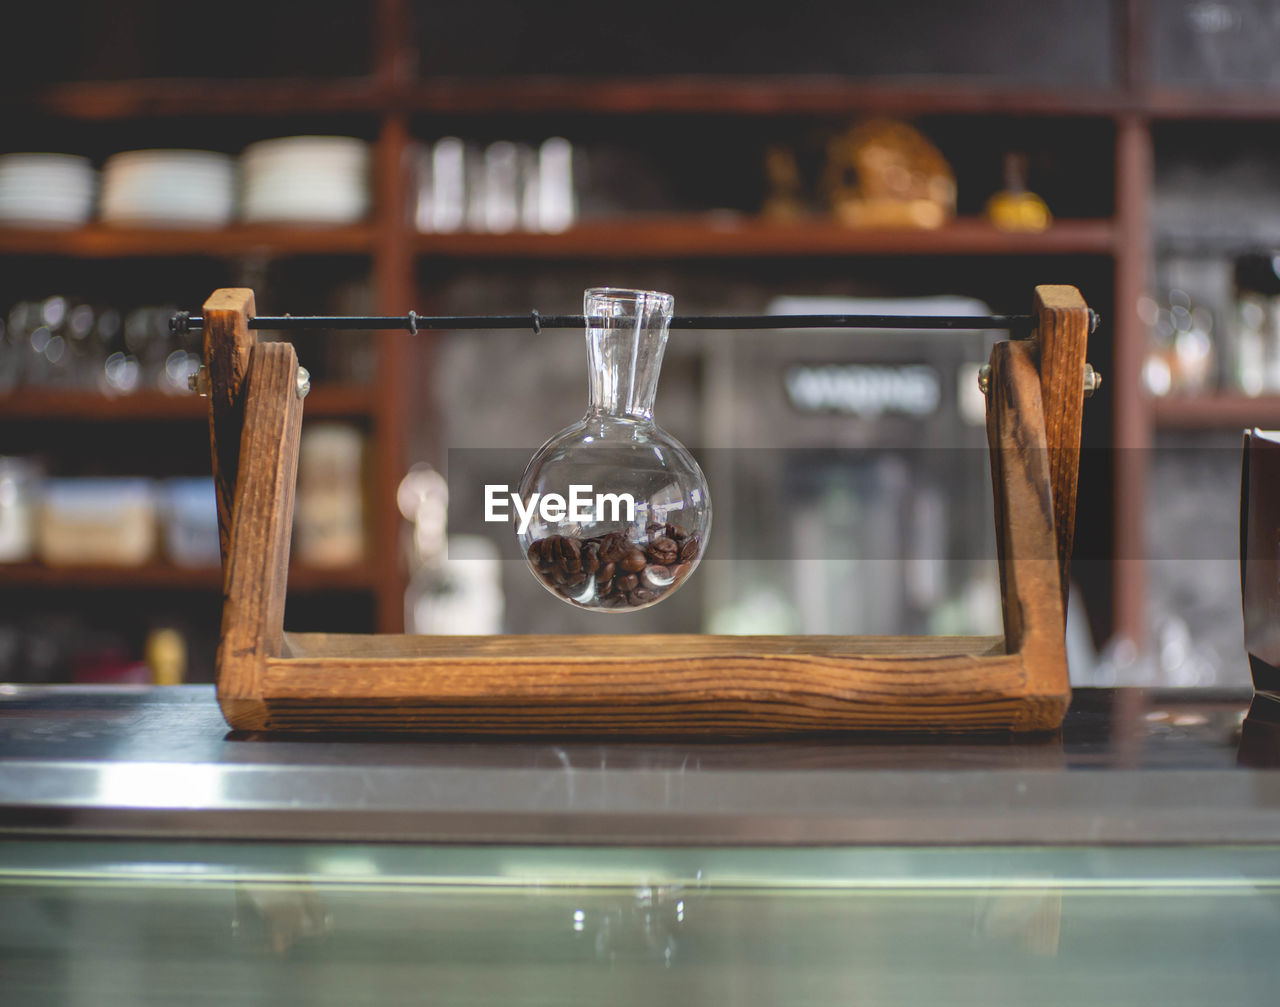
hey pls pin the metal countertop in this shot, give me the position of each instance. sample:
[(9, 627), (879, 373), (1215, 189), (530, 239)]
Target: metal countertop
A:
[(1130, 766)]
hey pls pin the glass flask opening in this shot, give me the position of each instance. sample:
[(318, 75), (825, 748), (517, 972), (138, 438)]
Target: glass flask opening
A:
[(626, 338)]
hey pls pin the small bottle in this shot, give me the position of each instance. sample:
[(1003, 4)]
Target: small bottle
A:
[(328, 525), (1014, 208), (1249, 374), (166, 656), (1257, 343)]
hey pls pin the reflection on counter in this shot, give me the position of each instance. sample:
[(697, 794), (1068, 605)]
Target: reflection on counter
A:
[(573, 925)]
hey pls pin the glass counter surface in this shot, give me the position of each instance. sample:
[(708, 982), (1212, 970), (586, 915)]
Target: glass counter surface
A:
[(134, 923), (149, 856)]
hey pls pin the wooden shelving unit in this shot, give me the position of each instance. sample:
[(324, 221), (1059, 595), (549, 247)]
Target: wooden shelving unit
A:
[(397, 90)]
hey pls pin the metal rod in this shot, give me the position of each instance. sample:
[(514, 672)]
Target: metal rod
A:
[(1019, 325)]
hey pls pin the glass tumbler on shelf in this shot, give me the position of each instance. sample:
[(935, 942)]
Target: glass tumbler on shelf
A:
[(614, 512)]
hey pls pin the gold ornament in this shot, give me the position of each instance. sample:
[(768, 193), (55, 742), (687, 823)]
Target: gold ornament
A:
[(884, 173)]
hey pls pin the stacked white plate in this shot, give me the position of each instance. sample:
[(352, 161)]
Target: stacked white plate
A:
[(306, 180), (45, 190), (168, 188)]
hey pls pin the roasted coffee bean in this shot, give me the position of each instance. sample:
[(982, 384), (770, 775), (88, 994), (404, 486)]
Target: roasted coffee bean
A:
[(656, 575), (633, 560), (625, 572), (663, 551), (613, 547), (568, 553), (540, 553)]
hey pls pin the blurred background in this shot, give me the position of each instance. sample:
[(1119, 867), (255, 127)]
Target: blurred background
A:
[(493, 157)]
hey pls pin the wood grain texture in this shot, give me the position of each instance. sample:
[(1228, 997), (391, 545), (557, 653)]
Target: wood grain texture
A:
[(602, 647), (262, 523), (643, 685), (1026, 543), (1062, 336), (227, 343)]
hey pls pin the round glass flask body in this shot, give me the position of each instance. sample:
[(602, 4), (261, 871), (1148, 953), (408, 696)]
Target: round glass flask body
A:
[(615, 512)]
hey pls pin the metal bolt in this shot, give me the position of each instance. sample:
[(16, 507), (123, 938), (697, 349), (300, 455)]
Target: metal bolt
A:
[(304, 382), (984, 378), (198, 381), (1092, 380)]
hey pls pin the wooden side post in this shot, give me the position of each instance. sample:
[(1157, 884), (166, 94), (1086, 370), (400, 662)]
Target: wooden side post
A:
[(262, 521), (228, 341), (1062, 337), (1030, 590)]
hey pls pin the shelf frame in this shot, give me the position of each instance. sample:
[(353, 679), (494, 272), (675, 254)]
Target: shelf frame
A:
[(396, 91)]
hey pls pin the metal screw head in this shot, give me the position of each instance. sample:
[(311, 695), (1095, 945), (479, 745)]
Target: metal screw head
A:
[(303, 385), (984, 378), (198, 382), (1092, 380)]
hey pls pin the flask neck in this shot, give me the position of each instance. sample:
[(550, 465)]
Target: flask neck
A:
[(626, 337)]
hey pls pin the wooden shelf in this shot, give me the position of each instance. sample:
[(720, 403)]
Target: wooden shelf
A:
[(733, 236), (687, 236), (40, 404), (763, 94), (1209, 412), (752, 95), (1180, 103), (160, 97), (165, 576), (101, 241)]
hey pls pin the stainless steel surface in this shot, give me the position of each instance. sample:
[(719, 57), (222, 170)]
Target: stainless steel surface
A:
[(1129, 767)]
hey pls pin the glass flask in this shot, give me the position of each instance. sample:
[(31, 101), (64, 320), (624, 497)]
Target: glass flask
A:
[(614, 512)]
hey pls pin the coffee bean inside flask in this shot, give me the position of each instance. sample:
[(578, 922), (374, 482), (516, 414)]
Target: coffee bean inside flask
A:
[(626, 573)]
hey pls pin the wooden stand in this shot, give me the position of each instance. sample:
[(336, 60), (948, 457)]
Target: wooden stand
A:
[(270, 680)]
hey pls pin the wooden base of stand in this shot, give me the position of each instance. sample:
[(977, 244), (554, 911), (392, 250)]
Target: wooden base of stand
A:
[(648, 685)]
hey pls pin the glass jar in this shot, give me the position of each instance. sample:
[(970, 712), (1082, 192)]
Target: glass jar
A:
[(614, 512), (19, 486)]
